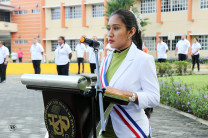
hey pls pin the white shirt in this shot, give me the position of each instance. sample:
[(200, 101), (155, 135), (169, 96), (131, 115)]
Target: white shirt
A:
[(62, 54), (4, 51), (80, 49), (14, 56), (161, 50), (36, 51), (109, 49), (195, 47), (91, 53), (183, 46)]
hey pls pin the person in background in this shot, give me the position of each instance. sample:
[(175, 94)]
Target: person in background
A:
[(20, 55), (63, 55), (162, 50), (195, 53), (14, 57), (4, 57), (80, 50), (144, 48), (36, 55), (182, 48), (91, 56), (109, 49)]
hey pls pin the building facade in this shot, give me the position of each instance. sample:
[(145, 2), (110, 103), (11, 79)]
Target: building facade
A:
[(49, 19)]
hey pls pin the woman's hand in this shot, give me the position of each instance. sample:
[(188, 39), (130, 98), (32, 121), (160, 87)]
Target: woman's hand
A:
[(120, 92), (112, 90)]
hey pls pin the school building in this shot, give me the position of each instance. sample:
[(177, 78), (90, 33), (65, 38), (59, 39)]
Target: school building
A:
[(46, 20)]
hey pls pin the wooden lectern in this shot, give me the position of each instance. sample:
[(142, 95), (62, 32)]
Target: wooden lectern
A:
[(68, 111)]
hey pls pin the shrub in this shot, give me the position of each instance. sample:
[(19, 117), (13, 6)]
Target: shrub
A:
[(182, 97)]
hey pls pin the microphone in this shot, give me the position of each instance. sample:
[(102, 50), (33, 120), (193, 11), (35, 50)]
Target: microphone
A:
[(90, 42)]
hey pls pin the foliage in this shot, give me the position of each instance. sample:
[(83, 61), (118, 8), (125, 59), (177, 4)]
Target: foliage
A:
[(182, 97), (202, 60), (113, 5), (176, 68)]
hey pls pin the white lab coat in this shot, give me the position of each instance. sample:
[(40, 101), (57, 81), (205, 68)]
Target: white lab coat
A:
[(137, 73)]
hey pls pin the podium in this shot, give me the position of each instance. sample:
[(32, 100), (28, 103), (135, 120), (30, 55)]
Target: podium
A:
[(68, 111)]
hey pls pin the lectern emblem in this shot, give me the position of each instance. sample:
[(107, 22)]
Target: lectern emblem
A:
[(59, 120)]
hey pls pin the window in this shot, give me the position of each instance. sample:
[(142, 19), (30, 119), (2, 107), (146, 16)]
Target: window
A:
[(20, 42), (203, 40), (55, 14), (174, 5), (203, 4), (174, 42), (150, 43), (4, 0), (35, 11), (148, 6), (97, 10), (73, 12), (72, 43), (54, 44), (20, 12), (4, 16)]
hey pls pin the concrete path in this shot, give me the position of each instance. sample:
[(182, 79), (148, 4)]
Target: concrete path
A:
[(24, 109)]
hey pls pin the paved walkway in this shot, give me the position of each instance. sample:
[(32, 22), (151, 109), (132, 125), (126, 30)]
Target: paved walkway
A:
[(24, 108), (169, 124)]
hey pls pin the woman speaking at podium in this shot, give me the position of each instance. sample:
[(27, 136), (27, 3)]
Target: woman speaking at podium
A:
[(130, 72)]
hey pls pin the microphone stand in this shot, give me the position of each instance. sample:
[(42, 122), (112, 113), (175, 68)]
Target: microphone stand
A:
[(97, 93)]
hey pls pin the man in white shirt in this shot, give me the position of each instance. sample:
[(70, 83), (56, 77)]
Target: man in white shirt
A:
[(80, 50), (36, 55), (109, 49), (4, 56), (195, 53), (14, 56), (182, 48), (162, 50)]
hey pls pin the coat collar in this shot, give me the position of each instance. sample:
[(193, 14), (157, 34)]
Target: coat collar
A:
[(124, 65)]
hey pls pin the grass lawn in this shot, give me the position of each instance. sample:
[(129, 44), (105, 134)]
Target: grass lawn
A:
[(194, 81)]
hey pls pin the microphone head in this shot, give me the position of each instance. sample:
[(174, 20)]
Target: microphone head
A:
[(82, 39)]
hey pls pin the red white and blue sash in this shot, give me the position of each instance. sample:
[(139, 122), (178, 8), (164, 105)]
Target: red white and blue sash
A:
[(125, 117)]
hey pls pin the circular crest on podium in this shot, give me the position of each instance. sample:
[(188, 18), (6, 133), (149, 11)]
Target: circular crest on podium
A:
[(59, 120)]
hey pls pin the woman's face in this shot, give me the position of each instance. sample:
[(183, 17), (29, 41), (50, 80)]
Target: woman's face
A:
[(195, 40), (60, 41), (118, 34)]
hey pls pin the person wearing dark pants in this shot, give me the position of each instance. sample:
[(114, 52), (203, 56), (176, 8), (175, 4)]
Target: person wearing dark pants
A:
[(36, 66), (36, 55), (20, 55), (182, 57), (63, 54), (80, 60), (162, 60), (80, 50), (4, 55), (162, 50), (195, 53), (63, 69), (182, 48), (92, 67)]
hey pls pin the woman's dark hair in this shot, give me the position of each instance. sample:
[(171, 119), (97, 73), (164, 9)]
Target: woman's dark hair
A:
[(129, 19), (197, 39), (63, 38)]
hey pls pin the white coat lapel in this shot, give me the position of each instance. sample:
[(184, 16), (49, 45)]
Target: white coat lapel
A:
[(124, 65)]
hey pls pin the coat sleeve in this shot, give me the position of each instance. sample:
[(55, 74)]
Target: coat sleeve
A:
[(150, 95)]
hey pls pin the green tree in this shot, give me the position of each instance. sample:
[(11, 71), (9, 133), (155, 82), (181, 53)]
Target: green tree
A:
[(113, 5)]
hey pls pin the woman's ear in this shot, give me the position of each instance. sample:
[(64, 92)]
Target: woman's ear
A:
[(132, 31)]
